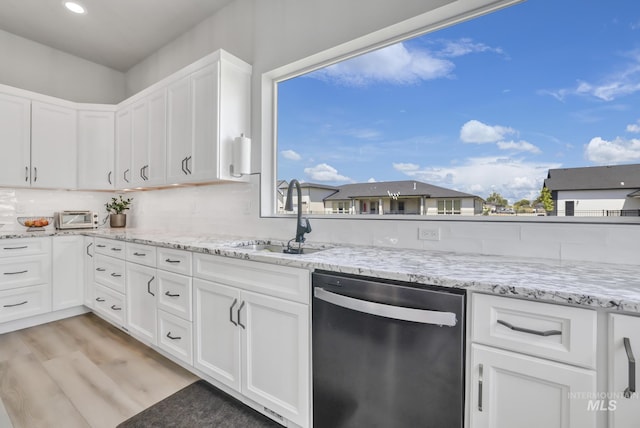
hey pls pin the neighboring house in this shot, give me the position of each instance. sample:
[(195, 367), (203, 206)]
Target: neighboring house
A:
[(400, 197), (312, 196), (595, 191)]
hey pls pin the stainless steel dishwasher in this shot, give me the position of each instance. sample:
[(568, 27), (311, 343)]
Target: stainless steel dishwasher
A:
[(386, 354)]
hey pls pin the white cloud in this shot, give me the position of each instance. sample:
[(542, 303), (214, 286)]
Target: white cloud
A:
[(290, 155), (514, 179), (372, 180), (475, 131), (605, 152), (405, 167), (518, 146), (465, 46), (634, 127), (394, 64), (325, 172)]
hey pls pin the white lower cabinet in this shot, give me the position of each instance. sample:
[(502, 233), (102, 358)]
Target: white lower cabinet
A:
[(88, 255), (141, 292), (624, 348), (110, 304), (256, 344), (68, 274), (509, 390), (24, 302), (175, 336)]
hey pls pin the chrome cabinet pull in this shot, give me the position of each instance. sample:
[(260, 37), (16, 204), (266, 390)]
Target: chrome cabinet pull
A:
[(231, 312), (139, 254), (183, 162), (109, 177), (16, 273), (125, 175), (89, 246), (527, 330), (100, 269), (115, 308), (100, 299), (116, 249), (173, 337), (16, 304), (239, 309), (186, 164), (100, 245), (144, 172), (35, 174), (480, 375), (171, 295), (26, 173), (116, 275), (149, 285), (141, 173), (172, 261), (632, 369), (16, 248)]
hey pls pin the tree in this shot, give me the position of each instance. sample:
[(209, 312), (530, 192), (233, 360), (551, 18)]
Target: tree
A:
[(521, 205), (497, 199), (545, 199)]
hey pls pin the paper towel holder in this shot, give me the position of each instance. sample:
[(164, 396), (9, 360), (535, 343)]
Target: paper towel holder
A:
[(240, 157)]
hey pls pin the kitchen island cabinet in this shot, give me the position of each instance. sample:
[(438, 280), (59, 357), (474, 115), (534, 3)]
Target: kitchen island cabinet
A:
[(623, 401)]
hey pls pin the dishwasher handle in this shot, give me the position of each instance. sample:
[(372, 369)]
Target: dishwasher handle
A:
[(423, 316)]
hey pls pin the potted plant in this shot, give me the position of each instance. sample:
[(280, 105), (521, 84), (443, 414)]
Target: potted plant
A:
[(116, 209)]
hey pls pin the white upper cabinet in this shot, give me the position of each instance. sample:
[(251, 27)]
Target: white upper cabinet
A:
[(207, 109), (15, 135), (149, 129), (53, 146), (96, 137), (123, 148)]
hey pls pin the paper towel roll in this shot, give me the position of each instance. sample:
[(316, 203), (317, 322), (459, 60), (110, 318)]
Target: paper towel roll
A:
[(241, 155)]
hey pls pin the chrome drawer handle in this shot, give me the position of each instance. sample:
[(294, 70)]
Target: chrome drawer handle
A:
[(172, 261), (100, 245), (89, 246), (16, 273), (168, 293), (116, 275), (139, 254), (116, 249), (527, 330), (100, 269), (149, 285), (115, 308), (16, 248), (173, 337), (239, 309), (480, 375), (632, 369), (100, 299), (231, 312), (16, 304)]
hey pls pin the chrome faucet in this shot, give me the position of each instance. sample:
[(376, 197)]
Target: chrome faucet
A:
[(302, 226)]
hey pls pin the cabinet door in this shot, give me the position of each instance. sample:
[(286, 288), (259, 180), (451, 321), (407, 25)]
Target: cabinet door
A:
[(139, 142), (123, 148), (142, 289), (88, 271), (53, 146), (15, 134), (275, 355), (68, 272), (622, 374), (179, 131), (217, 334), (203, 164), (155, 170), (514, 390), (96, 146)]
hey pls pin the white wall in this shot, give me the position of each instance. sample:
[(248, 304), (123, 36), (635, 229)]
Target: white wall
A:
[(598, 200), (35, 67)]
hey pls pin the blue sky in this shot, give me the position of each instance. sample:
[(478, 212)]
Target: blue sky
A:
[(487, 105)]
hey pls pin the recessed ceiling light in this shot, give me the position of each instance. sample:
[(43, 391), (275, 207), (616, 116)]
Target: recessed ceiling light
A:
[(74, 7)]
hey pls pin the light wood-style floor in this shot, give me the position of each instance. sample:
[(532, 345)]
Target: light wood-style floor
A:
[(81, 372)]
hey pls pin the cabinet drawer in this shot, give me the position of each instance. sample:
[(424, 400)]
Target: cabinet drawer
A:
[(24, 302), (110, 247), (174, 336), (24, 247), (140, 253), (24, 271), (110, 272), (174, 294), (110, 304), (278, 281), (545, 330), (177, 261)]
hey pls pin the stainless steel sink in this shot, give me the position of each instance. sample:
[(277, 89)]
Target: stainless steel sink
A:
[(279, 248)]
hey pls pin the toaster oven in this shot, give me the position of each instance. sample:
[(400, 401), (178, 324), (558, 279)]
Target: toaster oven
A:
[(75, 219)]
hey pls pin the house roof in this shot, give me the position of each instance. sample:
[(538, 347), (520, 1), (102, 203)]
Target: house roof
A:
[(594, 178), (402, 188)]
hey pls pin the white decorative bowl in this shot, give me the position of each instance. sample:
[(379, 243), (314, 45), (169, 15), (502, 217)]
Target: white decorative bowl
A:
[(35, 223)]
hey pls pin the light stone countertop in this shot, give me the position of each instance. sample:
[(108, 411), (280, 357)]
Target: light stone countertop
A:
[(610, 286)]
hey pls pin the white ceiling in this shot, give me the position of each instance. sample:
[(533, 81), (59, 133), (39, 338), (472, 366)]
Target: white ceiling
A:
[(114, 33)]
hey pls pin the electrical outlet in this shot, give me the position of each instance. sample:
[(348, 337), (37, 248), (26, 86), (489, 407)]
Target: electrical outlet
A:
[(429, 234)]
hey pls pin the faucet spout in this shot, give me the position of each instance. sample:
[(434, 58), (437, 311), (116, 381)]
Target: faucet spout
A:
[(302, 226)]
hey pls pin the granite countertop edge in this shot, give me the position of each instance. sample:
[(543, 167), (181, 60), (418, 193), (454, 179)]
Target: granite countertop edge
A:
[(598, 285)]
